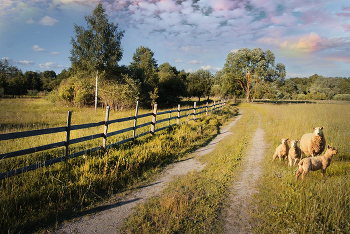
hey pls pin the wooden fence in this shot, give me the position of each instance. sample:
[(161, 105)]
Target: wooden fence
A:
[(67, 129)]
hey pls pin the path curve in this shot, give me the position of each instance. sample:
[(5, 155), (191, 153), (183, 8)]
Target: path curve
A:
[(109, 218), (237, 219)]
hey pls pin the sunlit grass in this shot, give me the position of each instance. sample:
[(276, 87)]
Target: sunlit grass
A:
[(316, 205), (38, 198)]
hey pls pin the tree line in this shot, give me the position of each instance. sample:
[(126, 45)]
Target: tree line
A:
[(96, 77)]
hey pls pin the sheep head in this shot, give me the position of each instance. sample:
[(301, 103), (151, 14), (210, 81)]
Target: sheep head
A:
[(331, 150), (293, 143), (318, 131), (284, 141)]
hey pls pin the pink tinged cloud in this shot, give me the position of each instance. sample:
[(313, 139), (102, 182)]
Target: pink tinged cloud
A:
[(310, 43), (346, 27)]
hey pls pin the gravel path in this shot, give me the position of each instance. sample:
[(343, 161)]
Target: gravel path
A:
[(109, 218), (237, 219)]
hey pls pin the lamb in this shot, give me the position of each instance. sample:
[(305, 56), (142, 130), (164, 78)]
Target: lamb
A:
[(281, 150), (313, 143), (294, 152), (316, 163)]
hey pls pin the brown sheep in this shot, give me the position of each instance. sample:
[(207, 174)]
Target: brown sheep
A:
[(294, 152), (313, 143), (316, 163), (281, 150)]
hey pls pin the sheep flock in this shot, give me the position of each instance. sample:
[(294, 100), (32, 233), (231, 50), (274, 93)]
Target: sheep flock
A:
[(311, 145)]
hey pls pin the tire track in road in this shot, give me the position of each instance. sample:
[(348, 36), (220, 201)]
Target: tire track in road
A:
[(237, 218)]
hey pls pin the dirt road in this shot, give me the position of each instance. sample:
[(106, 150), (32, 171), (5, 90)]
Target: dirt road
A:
[(109, 218)]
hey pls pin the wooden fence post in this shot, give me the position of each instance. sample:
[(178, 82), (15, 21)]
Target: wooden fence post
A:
[(194, 110), (66, 150), (206, 109), (178, 114), (169, 118), (135, 120), (106, 128), (154, 118), (214, 106)]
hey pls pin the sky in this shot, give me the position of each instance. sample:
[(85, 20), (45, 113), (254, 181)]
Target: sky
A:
[(308, 37)]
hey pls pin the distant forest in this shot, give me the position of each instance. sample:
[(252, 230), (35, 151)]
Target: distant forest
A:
[(15, 83)]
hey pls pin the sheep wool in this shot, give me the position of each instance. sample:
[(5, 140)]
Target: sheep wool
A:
[(294, 153), (281, 150), (316, 163), (313, 143)]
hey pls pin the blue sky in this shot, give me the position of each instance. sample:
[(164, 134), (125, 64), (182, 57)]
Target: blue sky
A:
[(307, 36)]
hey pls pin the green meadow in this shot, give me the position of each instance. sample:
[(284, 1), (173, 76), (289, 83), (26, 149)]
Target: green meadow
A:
[(40, 199), (195, 203)]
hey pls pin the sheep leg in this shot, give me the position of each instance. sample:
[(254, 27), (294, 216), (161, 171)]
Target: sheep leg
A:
[(323, 172), (298, 173)]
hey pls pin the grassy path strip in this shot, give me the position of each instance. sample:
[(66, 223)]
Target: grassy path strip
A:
[(238, 219), (193, 203), (111, 217)]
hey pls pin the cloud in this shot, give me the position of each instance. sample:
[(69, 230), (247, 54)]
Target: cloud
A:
[(48, 21), (195, 62), (210, 68), (30, 21), (55, 53), (26, 63), (37, 48), (50, 65), (178, 61)]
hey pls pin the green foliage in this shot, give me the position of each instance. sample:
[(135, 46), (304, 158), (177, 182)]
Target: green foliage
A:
[(246, 68), (199, 83), (97, 48), (342, 97)]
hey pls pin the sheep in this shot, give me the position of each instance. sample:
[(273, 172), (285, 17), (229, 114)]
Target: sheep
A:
[(281, 150), (294, 152), (313, 143), (316, 163)]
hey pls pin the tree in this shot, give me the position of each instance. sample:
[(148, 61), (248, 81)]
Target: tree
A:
[(250, 68), (97, 48), (199, 83), (144, 70), (171, 86)]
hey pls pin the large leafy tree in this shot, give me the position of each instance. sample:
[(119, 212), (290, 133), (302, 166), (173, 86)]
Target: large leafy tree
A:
[(144, 70), (199, 83), (97, 48), (251, 68)]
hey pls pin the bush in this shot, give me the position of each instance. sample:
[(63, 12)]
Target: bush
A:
[(342, 97)]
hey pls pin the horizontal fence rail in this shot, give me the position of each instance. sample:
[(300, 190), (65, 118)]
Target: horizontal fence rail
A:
[(173, 115)]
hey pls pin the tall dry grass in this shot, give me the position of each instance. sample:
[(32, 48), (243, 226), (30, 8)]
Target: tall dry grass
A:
[(43, 197), (315, 205)]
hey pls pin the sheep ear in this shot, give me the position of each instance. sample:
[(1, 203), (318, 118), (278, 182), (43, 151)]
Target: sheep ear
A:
[(321, 128), (313, 128), (329, 146), (287, 139)]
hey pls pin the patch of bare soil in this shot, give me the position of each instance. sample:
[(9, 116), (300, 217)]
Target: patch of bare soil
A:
[(237, 219), (109, 218)]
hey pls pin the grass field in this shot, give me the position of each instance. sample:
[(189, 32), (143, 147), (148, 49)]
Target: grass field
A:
[(42, 198), (194, 203)]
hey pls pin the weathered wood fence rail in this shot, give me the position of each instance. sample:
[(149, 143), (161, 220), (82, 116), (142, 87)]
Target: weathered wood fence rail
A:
[(15, 135)]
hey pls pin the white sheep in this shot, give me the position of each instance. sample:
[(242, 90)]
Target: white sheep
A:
[(316, 163), (281, 150), (294, 152), (313, 143)]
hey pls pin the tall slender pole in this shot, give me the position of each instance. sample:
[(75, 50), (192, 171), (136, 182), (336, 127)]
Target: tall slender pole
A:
[(96, 92), (178, 114), (154, 119)]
